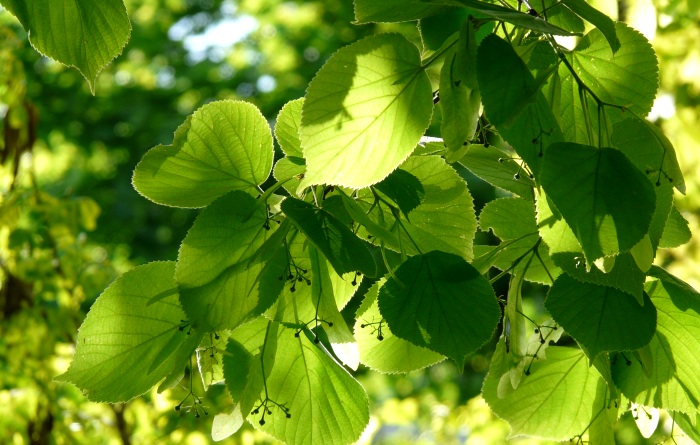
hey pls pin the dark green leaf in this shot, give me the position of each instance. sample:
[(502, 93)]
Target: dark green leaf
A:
[(509, 218), (388, 354), (345, 251), (404, 189), (603, 197), (600, 318), (601, 21), (220, 286), (649, 150), (440, 302)]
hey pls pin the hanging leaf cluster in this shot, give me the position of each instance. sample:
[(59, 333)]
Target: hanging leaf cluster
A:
[(358, 194)]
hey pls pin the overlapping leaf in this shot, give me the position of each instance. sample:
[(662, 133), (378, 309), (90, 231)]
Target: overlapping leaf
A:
[(220, 286), (326, 404), (557, 401), (644, 144), (80, 33), (443, 221), (223, 146), (607, 201), (600, 318), (287, 128), (380, 349), (133, 336), (345, 251), (440, 302), (496, 168), (673, 383), (364, 112), (514, 103)]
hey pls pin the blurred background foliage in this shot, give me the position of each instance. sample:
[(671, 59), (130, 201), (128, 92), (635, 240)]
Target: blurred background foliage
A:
[(70, 221)]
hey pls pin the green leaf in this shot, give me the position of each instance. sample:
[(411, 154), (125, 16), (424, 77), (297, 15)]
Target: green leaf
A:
[(219, 287), (365, 112), (459, 94), (649, 150), (484, 163), (676, 232), (509, 218), (290, 170), (628, 78), (566, 251), (368, 11), (322, 296), (223, 146), (674, 382), (561, 16), (443, 221), (404, 190), (437, 29), (244, 380), (440, 302), (506, 84), (133, 336), (343, 249), (287, 128), (604, 198), (83, 34), (557, 401), (327, 405), (514, 104), (388, 354), (519, 256), (688, 425), (601, 21), (600, 318), (509, 15)]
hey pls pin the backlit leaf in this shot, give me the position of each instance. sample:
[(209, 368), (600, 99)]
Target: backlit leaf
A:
[(567, 393), (223, 146), (287, 128), (674, 382), (80, 33), (219, 288), (364, 112), (132, 336)]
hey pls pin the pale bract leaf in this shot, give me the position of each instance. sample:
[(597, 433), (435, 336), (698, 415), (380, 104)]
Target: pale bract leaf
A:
[(133, 336), (364, 112), (83, 34), (439, 301), (223, 146)]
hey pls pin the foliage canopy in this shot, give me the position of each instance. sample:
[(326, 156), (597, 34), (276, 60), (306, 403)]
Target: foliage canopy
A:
[(362, 194)]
